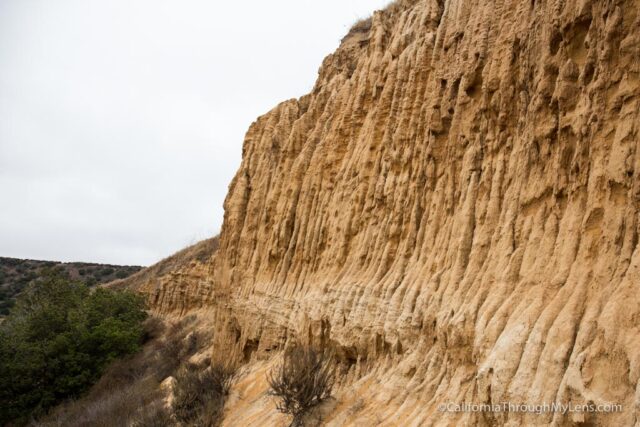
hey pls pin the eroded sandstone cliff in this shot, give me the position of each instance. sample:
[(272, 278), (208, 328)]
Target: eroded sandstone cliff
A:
[(453, 209)]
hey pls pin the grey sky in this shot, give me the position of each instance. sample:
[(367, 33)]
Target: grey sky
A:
[(121, 121)]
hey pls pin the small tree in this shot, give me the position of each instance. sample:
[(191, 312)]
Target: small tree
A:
[(303, 379)]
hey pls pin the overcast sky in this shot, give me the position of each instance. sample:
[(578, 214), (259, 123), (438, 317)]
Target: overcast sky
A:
[(122, 121)]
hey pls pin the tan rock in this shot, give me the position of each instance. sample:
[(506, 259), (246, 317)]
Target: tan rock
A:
[(167, 386), (453, 209)]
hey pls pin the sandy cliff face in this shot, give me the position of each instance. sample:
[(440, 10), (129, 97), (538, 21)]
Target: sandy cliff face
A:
[(454, 209)]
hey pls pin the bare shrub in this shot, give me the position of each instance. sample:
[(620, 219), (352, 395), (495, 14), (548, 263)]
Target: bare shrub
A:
[(199, 395), (356, 407), (176, 350), (303, 379)]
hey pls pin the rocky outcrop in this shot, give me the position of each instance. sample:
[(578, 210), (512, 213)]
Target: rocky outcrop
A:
[(178, 283), (453, 209)]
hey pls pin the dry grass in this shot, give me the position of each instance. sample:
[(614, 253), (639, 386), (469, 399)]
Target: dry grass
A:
[(200, 252), (361, 26), (155, 415), (397, 6), (364, 25), (113, 407)]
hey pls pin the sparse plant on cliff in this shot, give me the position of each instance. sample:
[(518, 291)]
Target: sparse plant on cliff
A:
[(361, 26), (199, 395), (303, 379)]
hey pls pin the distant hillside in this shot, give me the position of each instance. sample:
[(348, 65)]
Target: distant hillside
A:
[(16, 274)]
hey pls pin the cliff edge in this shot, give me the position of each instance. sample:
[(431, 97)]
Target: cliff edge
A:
[(454, 210)]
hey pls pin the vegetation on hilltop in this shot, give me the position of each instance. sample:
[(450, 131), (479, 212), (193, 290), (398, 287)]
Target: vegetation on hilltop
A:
[(16, 274)]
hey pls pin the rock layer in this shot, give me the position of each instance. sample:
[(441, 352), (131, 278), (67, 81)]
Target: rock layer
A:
[(453, 209)]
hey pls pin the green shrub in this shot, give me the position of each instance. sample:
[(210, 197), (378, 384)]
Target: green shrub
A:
[(121, 274), (108, 271), (127, 393), (57, 340)]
